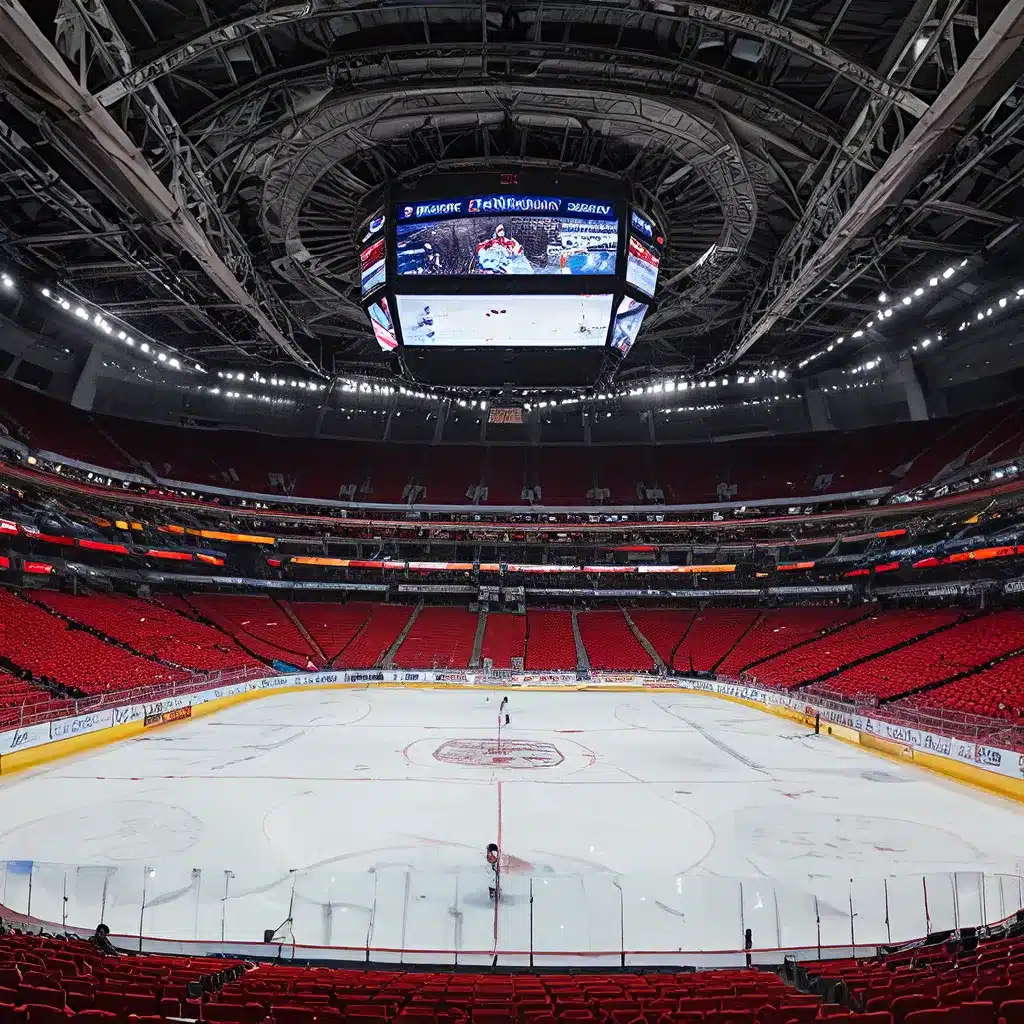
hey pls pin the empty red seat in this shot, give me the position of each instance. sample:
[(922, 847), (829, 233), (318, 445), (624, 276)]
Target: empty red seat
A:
[(975, 1012), (798, 1012), (228, 1013), (45, 1014), (937, 1015), (13, 1014), (1012, 1011), (730, 1016), (41, 996), (94, 1017), (999, 994)]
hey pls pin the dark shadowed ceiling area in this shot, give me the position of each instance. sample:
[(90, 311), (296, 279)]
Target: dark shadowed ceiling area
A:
[(198, 168)]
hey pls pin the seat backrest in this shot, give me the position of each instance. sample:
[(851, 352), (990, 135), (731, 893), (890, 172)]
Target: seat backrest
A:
[(13, 1014), (10, 977), (1011, 1010), (999, 994), (229, 1013), (41, 979), (43, 1014), (94, 1017), (902, 1005), (293, 1014), (936, 1015), (725, 1016), (975, 1011), (880, 1017), (41, 996), (799, 1012)]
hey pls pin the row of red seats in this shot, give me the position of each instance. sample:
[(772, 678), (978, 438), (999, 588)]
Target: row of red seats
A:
[(504, 639), (933, 984), (664, 628), (997, 692), (52, 981), (550, 642), (778, 630), (785, 647), (56, 981), (863, 638), (152, 629), (311, 995), (930, 660), (320, 468), (18, 698), (381, 629), (259, 623), (711, 637), (439, 638), (610, 644), (44, 644), (566, 476), (332, 626)]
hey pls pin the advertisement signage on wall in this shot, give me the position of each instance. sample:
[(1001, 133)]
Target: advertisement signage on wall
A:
[(901, 739)]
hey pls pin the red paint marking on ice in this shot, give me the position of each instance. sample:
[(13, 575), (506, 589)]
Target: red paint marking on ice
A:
[(570, 730), (497, 893)]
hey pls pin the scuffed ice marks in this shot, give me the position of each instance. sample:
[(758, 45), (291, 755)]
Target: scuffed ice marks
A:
[(107, 831), (819, 841)]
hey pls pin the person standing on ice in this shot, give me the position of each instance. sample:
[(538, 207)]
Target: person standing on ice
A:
[(501, 710), (493, 870)]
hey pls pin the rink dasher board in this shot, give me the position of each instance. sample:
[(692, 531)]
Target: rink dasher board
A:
[(24, 746), (361, 956)]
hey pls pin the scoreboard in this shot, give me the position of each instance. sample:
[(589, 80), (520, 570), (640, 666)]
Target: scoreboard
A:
[(508, 279)]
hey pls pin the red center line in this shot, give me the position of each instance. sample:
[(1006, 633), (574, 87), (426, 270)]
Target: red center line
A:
[(497, 876)]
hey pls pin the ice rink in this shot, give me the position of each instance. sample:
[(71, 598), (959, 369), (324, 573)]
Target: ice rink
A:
[(657, 820), (519, 321)]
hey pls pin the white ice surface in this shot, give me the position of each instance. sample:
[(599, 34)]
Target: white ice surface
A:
[(528, 321), (672, 821)]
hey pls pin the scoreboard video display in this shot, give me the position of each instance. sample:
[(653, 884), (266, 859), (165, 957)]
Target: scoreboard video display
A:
[(507, 234), (512, 321), (563, 265)]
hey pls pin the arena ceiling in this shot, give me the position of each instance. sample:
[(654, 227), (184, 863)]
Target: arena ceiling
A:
[(198, 167)]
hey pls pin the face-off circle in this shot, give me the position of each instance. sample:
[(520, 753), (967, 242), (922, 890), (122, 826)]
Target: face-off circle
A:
[(492, 753)]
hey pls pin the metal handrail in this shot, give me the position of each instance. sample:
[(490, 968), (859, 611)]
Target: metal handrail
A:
[(47, 709), (954, 724)]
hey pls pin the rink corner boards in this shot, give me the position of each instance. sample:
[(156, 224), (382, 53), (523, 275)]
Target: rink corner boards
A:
[(990, 782), (32, 757), (1005, 786)]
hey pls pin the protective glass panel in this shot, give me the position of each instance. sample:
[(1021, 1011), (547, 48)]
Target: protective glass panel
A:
[(396, 914)]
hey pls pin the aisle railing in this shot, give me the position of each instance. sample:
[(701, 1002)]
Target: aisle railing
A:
[(45, 709), (954, 724)]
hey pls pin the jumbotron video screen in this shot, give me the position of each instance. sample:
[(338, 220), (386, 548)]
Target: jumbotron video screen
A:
[(511, 321), (449, 265), (507, 234)]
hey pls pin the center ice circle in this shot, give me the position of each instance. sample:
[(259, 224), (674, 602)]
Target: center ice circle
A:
[(494, 753)]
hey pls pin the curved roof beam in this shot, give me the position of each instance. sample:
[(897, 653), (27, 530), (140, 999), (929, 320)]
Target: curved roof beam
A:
[(746, 101), (712, 15), (697, 136), (105, 155), (795, 275)]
